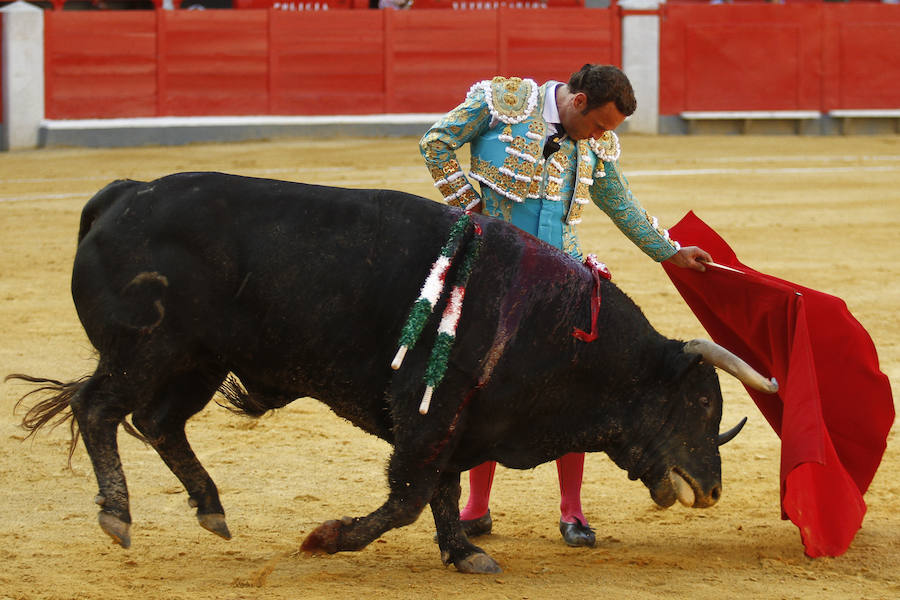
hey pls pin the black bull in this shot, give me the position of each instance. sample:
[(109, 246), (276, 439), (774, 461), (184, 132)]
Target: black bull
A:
[(302, 290)]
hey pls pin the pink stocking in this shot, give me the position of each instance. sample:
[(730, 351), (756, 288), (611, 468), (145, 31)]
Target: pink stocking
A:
[(570, 468), (480, 480)]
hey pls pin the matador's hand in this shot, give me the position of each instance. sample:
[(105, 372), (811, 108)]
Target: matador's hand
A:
[(691, 257)]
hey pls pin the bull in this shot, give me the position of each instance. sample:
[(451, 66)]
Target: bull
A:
[(268, 291)]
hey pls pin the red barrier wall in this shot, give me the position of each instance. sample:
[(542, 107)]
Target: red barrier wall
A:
[(432, 57), (326, 62), (552, 49), (254, 62), (861, 64), (743, 57), (217, 64), (1, 70), (729, 57), (100, 64), (779, 57)]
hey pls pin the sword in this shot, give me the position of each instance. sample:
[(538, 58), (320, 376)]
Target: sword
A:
[(723, 267)]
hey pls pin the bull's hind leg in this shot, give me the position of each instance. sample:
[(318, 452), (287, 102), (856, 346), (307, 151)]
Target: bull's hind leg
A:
[(99, 407), (162, 422)]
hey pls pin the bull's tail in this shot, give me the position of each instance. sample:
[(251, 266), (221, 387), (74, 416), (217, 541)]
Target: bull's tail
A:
[(97, 205), (54, 409)]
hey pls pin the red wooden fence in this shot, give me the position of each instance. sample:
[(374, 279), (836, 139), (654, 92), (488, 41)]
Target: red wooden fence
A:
[(800, 56), (254, 62), (101, 64), (861, 65), (326, 62)]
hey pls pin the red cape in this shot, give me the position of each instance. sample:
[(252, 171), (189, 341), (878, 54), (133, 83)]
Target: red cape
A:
[(834, 407)]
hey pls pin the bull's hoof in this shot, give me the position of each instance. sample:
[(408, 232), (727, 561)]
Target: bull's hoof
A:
[(479, 562), (324, 538), (115, 528), (215, 522)]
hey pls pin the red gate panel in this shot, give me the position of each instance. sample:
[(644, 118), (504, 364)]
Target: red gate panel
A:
[(213, 62), (740, 57), (432, 57), (862, 70), (99, 64), (327, 62), (553, 44), (142, 63)]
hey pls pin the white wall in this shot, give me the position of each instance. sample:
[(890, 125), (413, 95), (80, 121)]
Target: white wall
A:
[(640, 61), (23, 75)]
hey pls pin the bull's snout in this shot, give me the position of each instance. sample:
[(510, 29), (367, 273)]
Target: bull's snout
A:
[(708, 499), (689, 492)]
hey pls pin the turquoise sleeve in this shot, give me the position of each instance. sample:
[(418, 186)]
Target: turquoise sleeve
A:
[(613, 195)]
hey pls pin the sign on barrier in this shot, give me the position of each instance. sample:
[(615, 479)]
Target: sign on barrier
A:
[(289, 5)]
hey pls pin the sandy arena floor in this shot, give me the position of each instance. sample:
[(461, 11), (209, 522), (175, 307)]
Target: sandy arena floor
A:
[(821, 211)]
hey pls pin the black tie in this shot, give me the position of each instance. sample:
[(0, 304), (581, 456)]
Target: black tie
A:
[(552, 143)]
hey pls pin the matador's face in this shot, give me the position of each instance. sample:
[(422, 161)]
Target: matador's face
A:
[(593, 123)]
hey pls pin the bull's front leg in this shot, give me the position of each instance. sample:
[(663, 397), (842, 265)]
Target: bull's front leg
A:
[(422, 447), (412, 481), (415, 480), (455, 546)]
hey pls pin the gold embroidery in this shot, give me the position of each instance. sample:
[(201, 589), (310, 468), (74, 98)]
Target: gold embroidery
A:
[(510, 100), (570, 243), (583, 182), (534, 189), (503, 179), (557, 165), (503, 209), (467, 197), (606, 147), (518, 168), (534, 150), (536, 130), (468, 130), (440, 181), (452, 184)]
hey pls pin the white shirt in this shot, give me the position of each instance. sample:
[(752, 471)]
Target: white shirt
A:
[(551, 110)]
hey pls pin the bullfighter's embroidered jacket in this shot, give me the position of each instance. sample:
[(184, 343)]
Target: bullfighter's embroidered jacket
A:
[(502, 121)]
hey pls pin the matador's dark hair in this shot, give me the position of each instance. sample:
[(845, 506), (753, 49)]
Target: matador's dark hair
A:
[(602, 84)]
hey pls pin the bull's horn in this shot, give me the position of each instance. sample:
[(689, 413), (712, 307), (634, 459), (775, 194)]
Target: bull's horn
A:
[(729, 362), (729, 435)]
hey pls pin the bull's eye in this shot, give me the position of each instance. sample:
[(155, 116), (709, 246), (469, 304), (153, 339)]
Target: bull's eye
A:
[(704, 401)]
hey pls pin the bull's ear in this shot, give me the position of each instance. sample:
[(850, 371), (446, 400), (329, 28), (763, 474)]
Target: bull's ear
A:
[(677, 362)]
